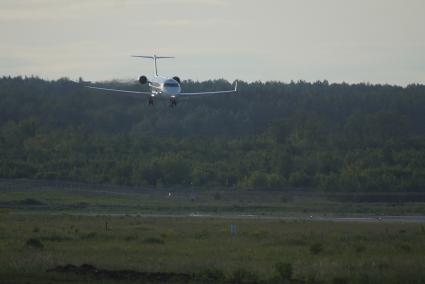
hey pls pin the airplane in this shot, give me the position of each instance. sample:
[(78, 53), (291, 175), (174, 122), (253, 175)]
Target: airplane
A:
[(162, 86)]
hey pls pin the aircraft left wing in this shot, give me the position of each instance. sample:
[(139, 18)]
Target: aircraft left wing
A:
[(132, 93), (212, 93)]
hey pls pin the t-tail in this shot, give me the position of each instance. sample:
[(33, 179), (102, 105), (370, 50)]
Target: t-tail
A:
[(154, 57)]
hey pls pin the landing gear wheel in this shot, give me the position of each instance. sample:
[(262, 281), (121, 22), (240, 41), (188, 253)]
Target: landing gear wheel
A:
[(150, 101), (173, 102)]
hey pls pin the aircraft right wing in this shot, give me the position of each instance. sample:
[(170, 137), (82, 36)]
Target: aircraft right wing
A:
[(131, 93), (212, 93)]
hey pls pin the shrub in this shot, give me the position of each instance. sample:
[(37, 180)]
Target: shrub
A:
[(88, 236), (211, 276), (284, 270), (4, 211), (285, 199), (312, 279), (217, 196), (243, 276), (35, 243), (81, 205), (30, 202), (167, 234), (340, 280), (131, 237), (259, 234), (360, 248), (296, 242), (153, 240), (36, 229), (201, 235), (55, 237), (316, 248), (405, 247)]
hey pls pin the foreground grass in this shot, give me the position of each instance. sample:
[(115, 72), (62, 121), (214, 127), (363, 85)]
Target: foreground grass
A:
[(316, 252)]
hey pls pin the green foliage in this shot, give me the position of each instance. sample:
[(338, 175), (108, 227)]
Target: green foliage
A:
[(316, 248), (284, 271), (243, 276), (153, 240), (329, 137), (30, 202), (340, 280), (55, 237), (35, 243), (211, 276), (360, 248), (87, 236), (216, 257)]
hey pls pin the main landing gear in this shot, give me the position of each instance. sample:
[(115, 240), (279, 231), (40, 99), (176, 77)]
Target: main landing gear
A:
[(173, 102), (150, 101)]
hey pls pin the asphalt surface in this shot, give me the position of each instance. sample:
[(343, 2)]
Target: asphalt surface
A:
[(363, 219), (358, 219)]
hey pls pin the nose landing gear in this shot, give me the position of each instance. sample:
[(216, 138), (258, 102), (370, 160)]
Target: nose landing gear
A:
[(173, 102)]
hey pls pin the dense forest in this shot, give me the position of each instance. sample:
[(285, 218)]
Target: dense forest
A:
[(283, 136)]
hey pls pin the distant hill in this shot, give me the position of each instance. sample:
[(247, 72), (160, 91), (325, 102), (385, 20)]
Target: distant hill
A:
[(318, 136)]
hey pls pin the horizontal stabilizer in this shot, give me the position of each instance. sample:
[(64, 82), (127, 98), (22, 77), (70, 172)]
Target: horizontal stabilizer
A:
[(152, 57)]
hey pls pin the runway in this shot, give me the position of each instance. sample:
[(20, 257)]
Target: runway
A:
[(361, 219), (358, 219)]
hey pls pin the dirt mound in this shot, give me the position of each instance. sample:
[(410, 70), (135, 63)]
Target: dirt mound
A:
[(90, 270)]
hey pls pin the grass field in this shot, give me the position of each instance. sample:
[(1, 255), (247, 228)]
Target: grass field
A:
[(316, 252), (55, 197), (45, 228)]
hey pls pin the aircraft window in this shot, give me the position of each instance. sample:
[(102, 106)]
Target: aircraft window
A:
[(171, 85)]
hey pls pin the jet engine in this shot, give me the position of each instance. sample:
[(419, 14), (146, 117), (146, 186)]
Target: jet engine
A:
[(143, 80), (177, 79)]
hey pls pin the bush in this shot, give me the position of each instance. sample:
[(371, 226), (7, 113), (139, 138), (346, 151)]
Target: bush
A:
[(243, 276), (259, 234), (153, 240), (211, 276), (360, 248), (286, 198), (316, 248), (130, 237), (87, 236), (284, 270), (217, 196), (405, 247), (340, 280), (167, 234), (55, 238), (30, 202), (35, 243)]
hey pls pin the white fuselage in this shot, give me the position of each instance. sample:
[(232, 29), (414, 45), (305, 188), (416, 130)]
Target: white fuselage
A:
[(164, 86)]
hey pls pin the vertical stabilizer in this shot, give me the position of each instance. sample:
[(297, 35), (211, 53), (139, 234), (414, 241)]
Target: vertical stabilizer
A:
[(154, 57)]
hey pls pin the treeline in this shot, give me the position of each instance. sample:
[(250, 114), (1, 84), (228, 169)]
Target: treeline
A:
[(318, 136)]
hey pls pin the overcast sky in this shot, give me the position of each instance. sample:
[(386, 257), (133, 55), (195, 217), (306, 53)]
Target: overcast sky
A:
[(377, 41)]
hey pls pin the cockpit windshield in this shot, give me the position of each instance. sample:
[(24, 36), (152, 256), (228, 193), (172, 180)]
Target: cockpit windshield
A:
[(171, 85)]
